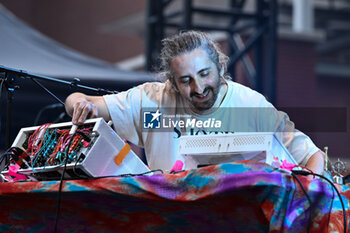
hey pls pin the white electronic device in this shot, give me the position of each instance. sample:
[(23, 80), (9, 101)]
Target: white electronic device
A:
[(106, 155), (200, 150)]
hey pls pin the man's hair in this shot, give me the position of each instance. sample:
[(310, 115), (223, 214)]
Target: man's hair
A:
[(185, 42)]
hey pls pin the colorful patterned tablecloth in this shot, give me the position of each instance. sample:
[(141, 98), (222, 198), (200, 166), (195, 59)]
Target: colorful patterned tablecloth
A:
[(233, 197)]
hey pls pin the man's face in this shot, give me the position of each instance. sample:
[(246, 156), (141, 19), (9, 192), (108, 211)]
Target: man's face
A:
[(196, 78)]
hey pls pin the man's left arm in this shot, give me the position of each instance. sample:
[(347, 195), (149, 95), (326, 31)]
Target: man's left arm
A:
[(316, 162), (298, 144)]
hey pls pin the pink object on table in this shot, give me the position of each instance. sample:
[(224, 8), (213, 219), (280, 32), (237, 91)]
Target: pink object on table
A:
[(287, 166), (178, 165), (13, 172)]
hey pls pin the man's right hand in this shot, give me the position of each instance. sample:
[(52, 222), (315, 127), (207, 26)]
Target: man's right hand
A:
[(82, 107)]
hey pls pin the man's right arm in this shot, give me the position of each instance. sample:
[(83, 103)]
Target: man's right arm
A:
[(81, 107)]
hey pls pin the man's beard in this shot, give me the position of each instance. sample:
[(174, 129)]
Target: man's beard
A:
[(202, 106)]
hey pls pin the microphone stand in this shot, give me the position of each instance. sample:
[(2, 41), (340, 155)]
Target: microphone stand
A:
[(9, 75)]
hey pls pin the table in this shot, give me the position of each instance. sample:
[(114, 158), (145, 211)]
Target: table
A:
[(232, 197)]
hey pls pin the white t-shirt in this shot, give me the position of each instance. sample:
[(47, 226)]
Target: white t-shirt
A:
[(242, 110)]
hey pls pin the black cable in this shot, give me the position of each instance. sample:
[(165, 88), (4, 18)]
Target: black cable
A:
[(305, 173), (141, 174), (302, 172), (129, 174), (47, 107), (61, 181), (60, 194), (85, 137), (176, 172), (74, 170), (47, 90), (308, 198), (340, 198)]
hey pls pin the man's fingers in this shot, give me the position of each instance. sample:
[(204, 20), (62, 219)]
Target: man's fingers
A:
[(84, 114), (81, 112), (76, 112)]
